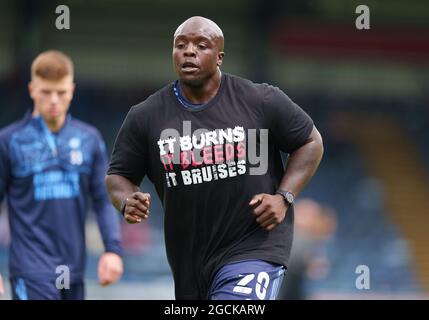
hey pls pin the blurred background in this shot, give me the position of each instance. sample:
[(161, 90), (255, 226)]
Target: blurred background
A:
[(367, 91)]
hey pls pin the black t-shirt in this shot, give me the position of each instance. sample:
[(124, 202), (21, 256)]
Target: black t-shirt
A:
[(200, 163)]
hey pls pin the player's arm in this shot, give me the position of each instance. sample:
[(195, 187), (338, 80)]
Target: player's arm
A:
[(107, 217), (1, 286), (293, 132), (270, 210), (110, 265), (127, 198), (303, 163), (4, 168), (127, 169), (4, 178)]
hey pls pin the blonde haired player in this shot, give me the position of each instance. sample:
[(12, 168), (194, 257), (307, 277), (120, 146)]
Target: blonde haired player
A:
[(52, 168)]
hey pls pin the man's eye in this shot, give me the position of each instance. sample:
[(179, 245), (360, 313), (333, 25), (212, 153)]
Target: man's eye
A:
[(202, 46), (180, 46)]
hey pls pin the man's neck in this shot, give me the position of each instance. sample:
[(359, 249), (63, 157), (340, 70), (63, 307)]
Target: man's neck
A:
[(54, 125), (204, 93)]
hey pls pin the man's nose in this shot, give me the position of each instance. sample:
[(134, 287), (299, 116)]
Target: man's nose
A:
[(190, 50), (54, 97)]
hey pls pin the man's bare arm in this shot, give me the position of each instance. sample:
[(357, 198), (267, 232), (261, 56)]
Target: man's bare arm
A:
[(121, 189), (270, 210), (303, 163)]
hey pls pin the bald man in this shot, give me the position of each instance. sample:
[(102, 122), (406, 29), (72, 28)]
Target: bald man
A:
[(228, 214)]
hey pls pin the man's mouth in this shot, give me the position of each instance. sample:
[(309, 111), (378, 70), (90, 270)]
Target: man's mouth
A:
[(53, 111), (189, 67)]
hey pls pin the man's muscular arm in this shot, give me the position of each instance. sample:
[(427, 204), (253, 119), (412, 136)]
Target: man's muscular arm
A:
[(270, 210), (136, 203)]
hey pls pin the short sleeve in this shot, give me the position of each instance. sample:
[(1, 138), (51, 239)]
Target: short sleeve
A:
[(129, 151), (289, 126)]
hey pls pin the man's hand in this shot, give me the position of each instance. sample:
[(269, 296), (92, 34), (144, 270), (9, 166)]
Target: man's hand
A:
[(269, 210), (110, 268), (1, 286), (137, 207)]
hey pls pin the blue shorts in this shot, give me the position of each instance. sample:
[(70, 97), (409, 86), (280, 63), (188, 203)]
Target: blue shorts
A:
[(247, 280), (30, 289)]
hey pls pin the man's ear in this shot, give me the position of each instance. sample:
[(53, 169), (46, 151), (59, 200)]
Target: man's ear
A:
[(220, 58), (30, 89)]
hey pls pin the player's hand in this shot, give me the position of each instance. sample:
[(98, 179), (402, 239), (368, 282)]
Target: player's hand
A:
[(137, 207), (269, 210), (1, 286), (110, 268)]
